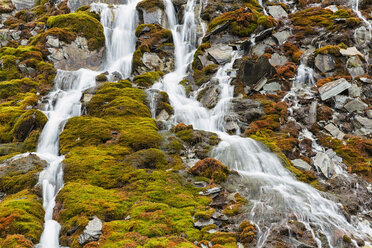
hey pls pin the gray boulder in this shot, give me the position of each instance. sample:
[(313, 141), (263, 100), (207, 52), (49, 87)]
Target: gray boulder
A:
[(278, 60), (277, 12), (251, 71), (301, 164), (220, 53), (73, 56), (92, 231)]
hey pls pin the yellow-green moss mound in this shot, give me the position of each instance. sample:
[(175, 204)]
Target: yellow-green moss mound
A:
[(22, 214), (82, 24)]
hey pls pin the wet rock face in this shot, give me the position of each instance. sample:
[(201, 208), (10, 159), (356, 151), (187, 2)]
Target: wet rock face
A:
[(73, 56), (252, 71)]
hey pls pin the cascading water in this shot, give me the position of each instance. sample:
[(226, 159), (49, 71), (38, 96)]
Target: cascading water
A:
[(64, 103), (276, 195), (355, 6), (66, 95)]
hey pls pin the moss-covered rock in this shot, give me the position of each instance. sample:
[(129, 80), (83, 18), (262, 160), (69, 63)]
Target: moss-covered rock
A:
[(21, 173), (210, 168), (16, 241), (148, 158), (81, 24), (147, 79), (22, 214), (243, 22), (31, 120), (84, 131)]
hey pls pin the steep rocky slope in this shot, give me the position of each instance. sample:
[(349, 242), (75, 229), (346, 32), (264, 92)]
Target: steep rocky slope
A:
[(152, 110)]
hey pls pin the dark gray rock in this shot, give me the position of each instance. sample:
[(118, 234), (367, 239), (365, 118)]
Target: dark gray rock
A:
[(251, 72)]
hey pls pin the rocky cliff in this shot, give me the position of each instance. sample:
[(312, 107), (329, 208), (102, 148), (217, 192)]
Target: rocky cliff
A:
[(181, 123)]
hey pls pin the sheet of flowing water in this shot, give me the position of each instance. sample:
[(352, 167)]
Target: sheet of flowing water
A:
[(275, 193), (64, 102)]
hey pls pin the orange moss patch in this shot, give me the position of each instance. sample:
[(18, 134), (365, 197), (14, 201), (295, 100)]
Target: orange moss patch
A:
[(247, 232), (291, 50), (210, 168)]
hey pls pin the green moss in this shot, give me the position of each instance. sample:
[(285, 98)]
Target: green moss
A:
[(205, 74), (81, 201), (8, 118), (148, 79), (242, 22), (16, 241), (101, 78), (17, 180), (81, 24), (23, 214), (148, 158), (141, 27), (139, 133), (94, 165), (150, 5), (32, 119), (12, 87), (210, 168), (112, 100), (268, 139), (330, 49), (84, 131)]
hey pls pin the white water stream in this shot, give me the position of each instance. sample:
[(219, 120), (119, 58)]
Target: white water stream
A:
[(119, 24), (275, 193)]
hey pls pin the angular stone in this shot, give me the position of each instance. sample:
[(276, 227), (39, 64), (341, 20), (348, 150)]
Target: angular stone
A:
[(23, 4), (325, 164), (362, 36), (92, 231), (203, 223), (211, 191), (52, 42), (162, 116), (209, 96), (272, 87), (355, 66), (355, 105), (351, 51), (363, 121), (301, 164), (340, 101), (369, 113), (250, 71), (260, 84), (220, 54), (355, 91), (156, 16), (334, 131), (324, 63), (282, 36), (151, 60), (333, 88), (277, 12), (277, 59)]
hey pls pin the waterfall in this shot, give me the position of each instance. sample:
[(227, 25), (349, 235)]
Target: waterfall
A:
[(355, 6), (275, 193), (64, 103)]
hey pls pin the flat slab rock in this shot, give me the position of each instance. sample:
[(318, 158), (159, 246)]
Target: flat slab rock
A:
[(333, 88)]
